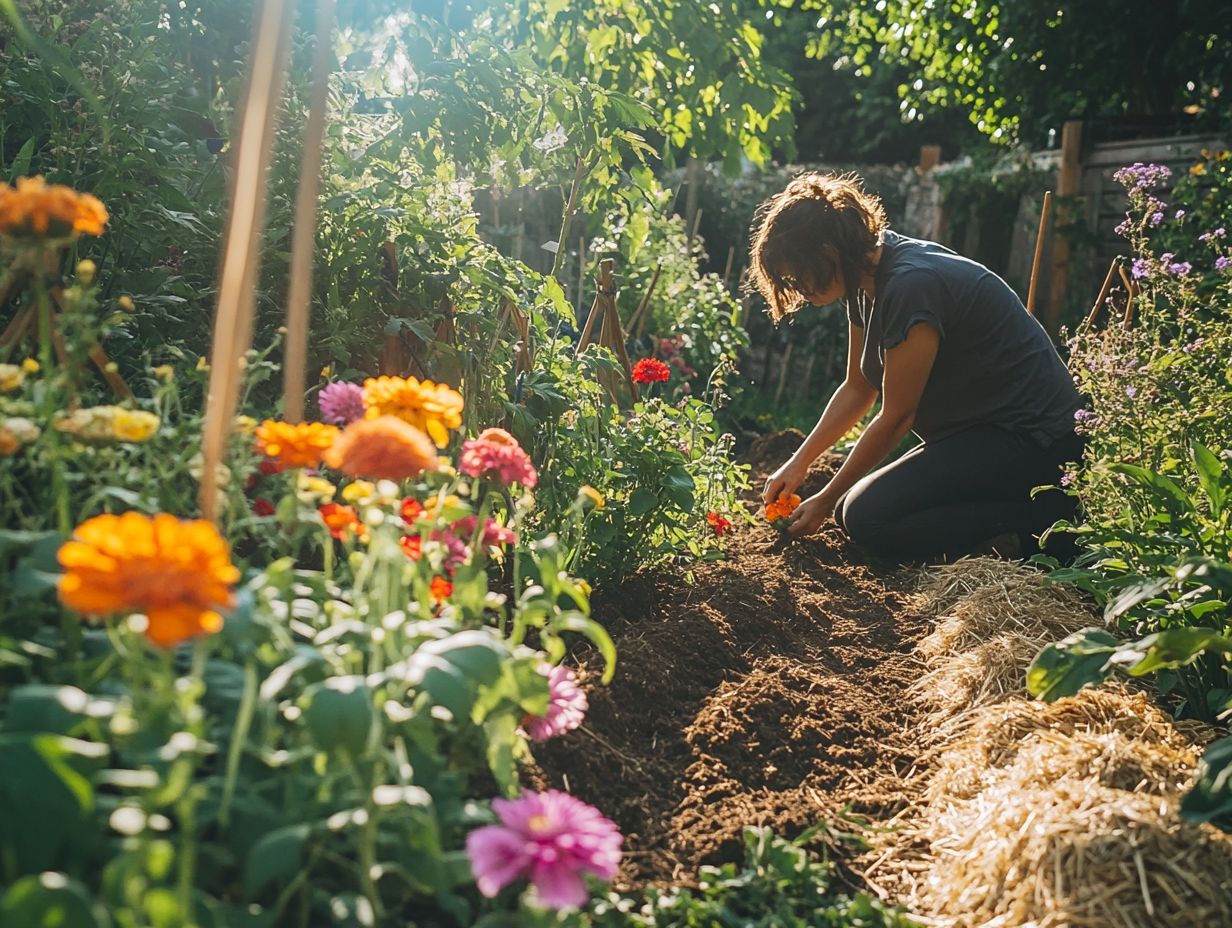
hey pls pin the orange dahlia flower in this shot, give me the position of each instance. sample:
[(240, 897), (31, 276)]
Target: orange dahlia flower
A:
[(340, 520), (782, 507), (384, 448), (177, 572), (290, 444), (430, 407), (35, 208)]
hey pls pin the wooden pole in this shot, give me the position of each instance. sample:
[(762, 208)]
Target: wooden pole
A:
[(783, 371), (1039, 251), (598, 306), (1103, 295), (1067, 187), (731, 257), (241, 255), (1131, 290), (697, 221), (640, 314), (930, 157), (614, 338), (581, 271), (295, 357)]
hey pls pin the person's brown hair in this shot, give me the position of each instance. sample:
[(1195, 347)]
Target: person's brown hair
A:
[(819, 224)]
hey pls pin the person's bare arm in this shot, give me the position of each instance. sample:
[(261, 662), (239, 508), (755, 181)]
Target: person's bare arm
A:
[(850, 401), (907, 367)]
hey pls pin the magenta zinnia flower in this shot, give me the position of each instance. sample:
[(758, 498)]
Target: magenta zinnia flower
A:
[(341, 403), (497, 453), (494, 534), (549, 838), (566, 705)]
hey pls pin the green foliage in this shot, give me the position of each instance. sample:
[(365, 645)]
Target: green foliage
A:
[(778, 885), (1211, 798), (1019, 69)]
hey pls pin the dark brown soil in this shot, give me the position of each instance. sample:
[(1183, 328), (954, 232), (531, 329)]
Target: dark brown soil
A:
[(769, 691)]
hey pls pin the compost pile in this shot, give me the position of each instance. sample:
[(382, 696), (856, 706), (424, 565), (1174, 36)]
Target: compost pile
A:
[(769, 691)]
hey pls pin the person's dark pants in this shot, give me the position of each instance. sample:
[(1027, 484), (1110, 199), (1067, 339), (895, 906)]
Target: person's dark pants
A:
[(949, 497)]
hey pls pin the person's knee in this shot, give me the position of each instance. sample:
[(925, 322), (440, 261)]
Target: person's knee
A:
[(866, 520)]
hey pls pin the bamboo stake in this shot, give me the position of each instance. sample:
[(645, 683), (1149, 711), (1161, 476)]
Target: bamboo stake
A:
[(731, 257), (778, 393), (644, 302), (241, 250), (1039, 251), (1103, 295), (616, 340), (697, 221), (596, 308), (581, 271), (295, 359)]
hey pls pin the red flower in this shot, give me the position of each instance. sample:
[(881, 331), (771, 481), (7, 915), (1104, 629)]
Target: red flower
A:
[(412, 545), (411, 510), (268, 467), (441, 589), (262, 507), (718, 524), (650, 370)]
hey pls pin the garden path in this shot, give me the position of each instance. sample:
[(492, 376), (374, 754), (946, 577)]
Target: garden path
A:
[(769, 691)]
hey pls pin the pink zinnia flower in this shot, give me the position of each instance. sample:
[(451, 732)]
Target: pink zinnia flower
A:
[(567, 705), (498, 453), (341, 403), (494, 534), (549, 838)]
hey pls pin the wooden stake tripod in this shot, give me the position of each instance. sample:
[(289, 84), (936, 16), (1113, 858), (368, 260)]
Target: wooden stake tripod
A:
[(611, 333)]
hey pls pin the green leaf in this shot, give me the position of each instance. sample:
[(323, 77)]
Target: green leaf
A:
[(1171, 649), (339, 714), (49, 900), (1062, 669), (1166, 489), (275, 857), (42, 708), (1210, 475), (596, 633), (678, 486), (642, 501), (21, 164), (1210, 800)]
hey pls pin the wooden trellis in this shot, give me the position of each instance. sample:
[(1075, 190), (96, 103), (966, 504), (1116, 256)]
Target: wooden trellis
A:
[(605, 317)]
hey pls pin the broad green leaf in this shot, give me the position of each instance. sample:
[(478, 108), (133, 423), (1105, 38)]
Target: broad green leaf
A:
[(1165, 488), (1062, 669), (1210, 800), (642, 501), (339, 714), (1171, 649), (275, 857), (21, 164), (596, 633), (49, 900)]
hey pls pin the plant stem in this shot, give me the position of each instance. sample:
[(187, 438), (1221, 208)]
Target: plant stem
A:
[(243, 722)]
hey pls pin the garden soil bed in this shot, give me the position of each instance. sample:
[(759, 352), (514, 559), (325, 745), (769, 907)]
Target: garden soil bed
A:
[(770, 690)]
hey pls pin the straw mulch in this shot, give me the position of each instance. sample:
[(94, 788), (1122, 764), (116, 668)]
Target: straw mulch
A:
[(1029, 815), (993, 617)]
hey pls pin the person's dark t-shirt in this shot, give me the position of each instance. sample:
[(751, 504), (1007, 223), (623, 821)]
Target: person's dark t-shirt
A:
[(995, 364)]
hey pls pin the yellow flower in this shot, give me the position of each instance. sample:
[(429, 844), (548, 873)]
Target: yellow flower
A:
[(595, 497), (584, 587), (359, 489), (135, 425), (314, 488), (432, 408), (11, 377), (91, 423), (245, 425), (37, 209), (177, 572), (85, 272), (126, 303), (165, 373), (1223, 155), (202, 364), (1198, 169), (30, 366)]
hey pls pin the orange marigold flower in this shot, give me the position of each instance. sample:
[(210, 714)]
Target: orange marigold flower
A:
[(719, 525), (340, 520), (35, 208), (384, 448), (178, 572), (295, 444), (441, 589), (430, 407), (410, 510), (782, 507)]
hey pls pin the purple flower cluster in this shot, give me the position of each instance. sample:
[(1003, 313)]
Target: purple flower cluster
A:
[(1222, 263), (1193, 346), (341, 403), (1213, 234), (1141, 268), (1139, 176), (1085, 419), (1179, 268)]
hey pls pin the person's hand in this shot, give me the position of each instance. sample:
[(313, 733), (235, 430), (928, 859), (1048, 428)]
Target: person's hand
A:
[(786, 479), (812, 514)]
